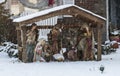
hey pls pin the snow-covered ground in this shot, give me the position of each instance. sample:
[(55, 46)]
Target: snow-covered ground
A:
[(11, 67)]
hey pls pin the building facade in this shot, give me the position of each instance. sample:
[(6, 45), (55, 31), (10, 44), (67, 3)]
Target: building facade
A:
[(17, 7), (114, 13)]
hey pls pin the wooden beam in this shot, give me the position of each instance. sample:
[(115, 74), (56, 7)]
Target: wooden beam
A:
[(74, 11), (23, 34), (99, 51), (19, 42), (86, 15), (43, 17), (50, 27), (18, 35)]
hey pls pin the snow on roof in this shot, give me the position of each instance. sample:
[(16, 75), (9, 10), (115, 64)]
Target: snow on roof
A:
[(47, 11), (89, 12), (2, 1)]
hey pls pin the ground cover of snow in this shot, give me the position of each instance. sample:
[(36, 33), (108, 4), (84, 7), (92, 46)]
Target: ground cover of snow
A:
[(13, 67)]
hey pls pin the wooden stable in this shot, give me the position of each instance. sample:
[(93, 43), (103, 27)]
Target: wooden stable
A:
[(73, 10)]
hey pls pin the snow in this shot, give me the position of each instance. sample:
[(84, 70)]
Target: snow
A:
[(13, 67), (47, 11), (115, 32), (58, 56), (2, 1)]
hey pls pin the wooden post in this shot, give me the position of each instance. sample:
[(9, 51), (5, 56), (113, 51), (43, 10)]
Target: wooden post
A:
[(23, 35), (19, 42), (99, 43)]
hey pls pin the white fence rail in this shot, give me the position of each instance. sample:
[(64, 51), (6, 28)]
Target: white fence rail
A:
[(68, 2), (50, 21), (43, 33)]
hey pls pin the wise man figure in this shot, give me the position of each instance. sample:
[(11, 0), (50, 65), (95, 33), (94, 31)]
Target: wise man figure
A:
[(86, 43), (32, 36), (55, 39)]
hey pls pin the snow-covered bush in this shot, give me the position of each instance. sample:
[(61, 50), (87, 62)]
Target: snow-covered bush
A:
[(115, 32), (109, 47), (1, 48), (115, 35), (9, 48), (105, 49), (6, 46)]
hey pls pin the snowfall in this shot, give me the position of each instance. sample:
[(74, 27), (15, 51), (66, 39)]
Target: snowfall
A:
[(13, 67)]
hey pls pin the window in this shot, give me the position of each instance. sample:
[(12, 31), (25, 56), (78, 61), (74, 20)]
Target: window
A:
[(14, 1)]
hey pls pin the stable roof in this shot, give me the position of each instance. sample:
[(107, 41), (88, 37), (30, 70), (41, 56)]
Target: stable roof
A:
[(61, 10)]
